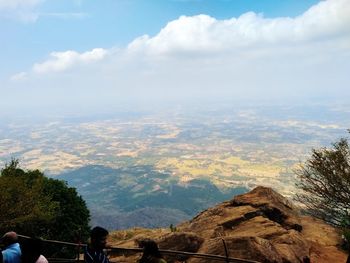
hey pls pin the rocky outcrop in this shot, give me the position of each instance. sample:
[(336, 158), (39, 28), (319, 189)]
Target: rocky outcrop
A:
[(262, 226)]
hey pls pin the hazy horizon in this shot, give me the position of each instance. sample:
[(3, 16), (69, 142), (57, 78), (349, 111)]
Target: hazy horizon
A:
[(76, 56)]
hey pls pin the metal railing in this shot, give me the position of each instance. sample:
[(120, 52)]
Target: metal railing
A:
[(121, 250)]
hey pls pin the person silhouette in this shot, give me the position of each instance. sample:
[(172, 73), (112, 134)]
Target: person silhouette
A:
[(12, 252), (151, 252), (94, 251), (31, 251)]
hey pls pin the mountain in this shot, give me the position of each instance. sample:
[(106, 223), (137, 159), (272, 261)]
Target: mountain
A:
[(142, 196), (261, 225)]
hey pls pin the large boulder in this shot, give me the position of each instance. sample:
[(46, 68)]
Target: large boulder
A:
[(262, 225)]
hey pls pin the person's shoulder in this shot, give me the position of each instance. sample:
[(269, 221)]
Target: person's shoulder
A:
[(12, 246), (17, 246), (41, 259), (12, 249), (12, 253)]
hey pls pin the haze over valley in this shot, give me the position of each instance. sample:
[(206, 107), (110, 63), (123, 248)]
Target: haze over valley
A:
[(156, 168)]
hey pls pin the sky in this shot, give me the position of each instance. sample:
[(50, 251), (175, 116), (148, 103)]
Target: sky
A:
[(84, 54)]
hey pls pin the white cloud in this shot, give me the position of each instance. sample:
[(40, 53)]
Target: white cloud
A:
[(72, 15), (22, 10), (250, 33), (61, 61), (18, 4), (28, 11), (202, 33), (19, 76)]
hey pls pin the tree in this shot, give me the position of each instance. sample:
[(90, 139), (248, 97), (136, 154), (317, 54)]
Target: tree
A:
[(325, 181), (34, 205), (23, 205), (71, 222)]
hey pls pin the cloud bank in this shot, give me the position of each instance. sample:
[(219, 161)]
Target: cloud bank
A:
[(193, 56)]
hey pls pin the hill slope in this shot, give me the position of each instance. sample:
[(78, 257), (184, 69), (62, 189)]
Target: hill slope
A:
[(261, 225), (120, 198)]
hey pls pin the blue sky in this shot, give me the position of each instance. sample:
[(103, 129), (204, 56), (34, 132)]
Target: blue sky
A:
[(109, 50)]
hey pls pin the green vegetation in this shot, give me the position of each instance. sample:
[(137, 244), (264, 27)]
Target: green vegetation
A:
[(34, 205), (325, 181), (142, 196)]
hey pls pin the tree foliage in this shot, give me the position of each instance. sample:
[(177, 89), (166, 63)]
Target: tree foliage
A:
[(34, 205), (325, 181)]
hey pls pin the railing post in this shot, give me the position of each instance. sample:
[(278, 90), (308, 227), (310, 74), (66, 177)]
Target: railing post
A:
[(78, 247), (78, 252), (226, 252)]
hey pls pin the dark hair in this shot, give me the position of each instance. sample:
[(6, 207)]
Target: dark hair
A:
[(31, 250), (9, 238), (98, 232), (150, 248)]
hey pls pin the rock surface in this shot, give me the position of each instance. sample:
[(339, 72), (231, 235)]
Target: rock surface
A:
[(261, 225)]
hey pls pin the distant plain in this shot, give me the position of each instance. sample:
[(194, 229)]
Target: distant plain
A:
[(159, 167)]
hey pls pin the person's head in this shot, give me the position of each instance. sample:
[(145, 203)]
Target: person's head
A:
[(150, 247), (98, 237), (9, 238), (31, 250)]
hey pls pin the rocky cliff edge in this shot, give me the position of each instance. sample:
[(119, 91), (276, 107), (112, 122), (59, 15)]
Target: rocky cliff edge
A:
[(260, 225)]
